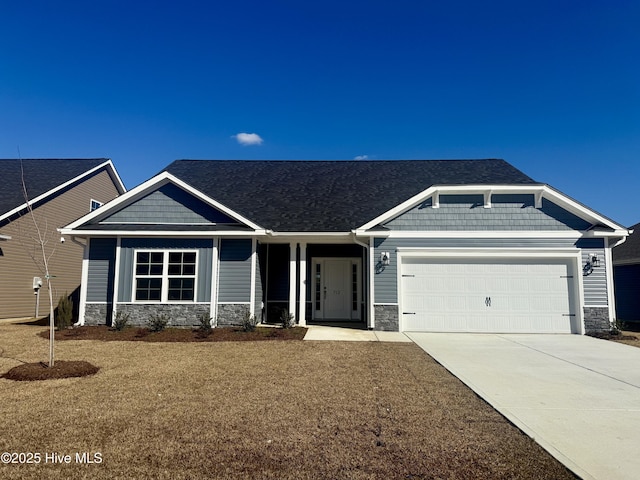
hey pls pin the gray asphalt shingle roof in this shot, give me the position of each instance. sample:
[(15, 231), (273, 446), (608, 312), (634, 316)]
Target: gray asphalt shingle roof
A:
[(630, 249), (331, 196), (41, 175)]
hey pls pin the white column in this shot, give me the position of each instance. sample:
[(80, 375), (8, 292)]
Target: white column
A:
[(213, 309), (292, 277), (116, 279), (302, 321), (254, 261), (372, 272), (84, 283)]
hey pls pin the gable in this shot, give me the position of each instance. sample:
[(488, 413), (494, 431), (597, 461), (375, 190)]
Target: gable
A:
[(169, 204), (467, 212)]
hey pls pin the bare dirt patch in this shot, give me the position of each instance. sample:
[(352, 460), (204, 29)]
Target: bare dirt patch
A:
[(257, 409), (106, 334), (40, 371)]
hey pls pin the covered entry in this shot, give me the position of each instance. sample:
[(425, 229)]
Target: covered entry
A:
[(336, 289), (320, 282), (486, 294)]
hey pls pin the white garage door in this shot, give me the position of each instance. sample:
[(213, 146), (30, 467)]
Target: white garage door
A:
[(487, 295)]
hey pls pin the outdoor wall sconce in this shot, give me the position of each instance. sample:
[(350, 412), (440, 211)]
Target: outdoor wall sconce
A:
[(592, 262), (384, 258)]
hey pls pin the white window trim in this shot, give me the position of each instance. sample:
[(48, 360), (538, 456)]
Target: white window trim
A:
[(164, 292)]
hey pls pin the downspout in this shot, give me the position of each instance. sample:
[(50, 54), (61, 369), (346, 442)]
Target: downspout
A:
[(610, 293)]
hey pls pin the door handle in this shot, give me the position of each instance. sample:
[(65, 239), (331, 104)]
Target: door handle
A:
[(487, 301), (325, 293)]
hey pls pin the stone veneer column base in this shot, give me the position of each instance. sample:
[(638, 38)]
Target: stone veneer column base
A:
[(596, 320), (97, 314), (232, 314), (386, 319)]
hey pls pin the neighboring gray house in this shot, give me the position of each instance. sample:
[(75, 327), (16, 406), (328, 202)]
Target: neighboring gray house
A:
[(409, 245), (626, 277)]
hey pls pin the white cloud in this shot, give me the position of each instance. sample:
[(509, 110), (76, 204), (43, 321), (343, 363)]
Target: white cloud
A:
[(248, 138), (361, 157)]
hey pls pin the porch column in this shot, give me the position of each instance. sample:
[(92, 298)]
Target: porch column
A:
[(83, 285), (292, 277), (372, 292), (302, 321)]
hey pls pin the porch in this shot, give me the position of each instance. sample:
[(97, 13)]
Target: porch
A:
[(320, 283)]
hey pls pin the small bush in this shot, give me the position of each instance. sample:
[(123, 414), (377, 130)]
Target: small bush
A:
[(287, 319), (121, 321), (249, 322), (204, 325), (64, 312), (157, 323)]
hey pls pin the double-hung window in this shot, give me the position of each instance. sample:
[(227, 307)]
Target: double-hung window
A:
[(165, 276)]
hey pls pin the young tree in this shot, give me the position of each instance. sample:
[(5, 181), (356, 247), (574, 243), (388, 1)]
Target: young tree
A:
[(41, 256)]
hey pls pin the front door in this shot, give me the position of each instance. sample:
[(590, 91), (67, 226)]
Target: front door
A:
[(336, 289)]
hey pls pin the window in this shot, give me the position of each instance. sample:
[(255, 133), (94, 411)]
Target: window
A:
[(95, 205), (165, 276)]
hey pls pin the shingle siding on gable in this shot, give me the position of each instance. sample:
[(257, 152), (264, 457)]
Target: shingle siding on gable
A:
[(235, 271), (169, 204), (467, 212)]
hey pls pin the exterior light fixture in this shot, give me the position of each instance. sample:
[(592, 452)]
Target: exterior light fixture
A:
[(592, 262)]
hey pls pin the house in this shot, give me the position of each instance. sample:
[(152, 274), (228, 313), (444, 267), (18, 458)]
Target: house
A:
[(626, 277), (58, 191), (415, 245)]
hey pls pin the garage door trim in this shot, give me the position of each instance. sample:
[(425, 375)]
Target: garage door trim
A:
[(573, 256)]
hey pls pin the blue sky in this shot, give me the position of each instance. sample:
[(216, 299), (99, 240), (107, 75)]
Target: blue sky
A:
[(553, 87)]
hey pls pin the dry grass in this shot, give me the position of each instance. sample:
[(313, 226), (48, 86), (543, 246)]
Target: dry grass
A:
[(339, 410)]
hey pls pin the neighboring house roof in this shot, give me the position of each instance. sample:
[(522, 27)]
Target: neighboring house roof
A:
[(629, 251), (331, 196), (43, 177)]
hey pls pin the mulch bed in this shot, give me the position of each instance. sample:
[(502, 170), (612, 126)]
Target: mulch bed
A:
[(613, 336), (28, 372), (227, 334)]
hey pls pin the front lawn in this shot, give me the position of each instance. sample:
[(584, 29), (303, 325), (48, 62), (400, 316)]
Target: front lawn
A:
[(256, 409)]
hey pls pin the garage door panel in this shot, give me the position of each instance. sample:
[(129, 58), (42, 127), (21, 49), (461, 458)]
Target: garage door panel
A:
[(486, 295)]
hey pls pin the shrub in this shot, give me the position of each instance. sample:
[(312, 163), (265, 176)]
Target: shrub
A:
[(65, 312), (287, 319), (157, 323), (249, 322), (204, 325), (121, 320)]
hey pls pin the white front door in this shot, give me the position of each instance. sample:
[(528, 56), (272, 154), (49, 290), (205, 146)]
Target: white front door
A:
[(336, 289)]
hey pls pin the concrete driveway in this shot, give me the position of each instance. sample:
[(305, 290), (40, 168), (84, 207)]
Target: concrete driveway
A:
[(577, 396)]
